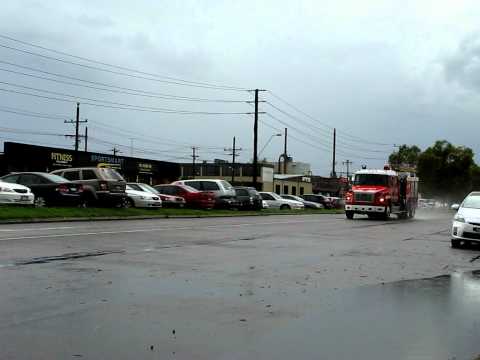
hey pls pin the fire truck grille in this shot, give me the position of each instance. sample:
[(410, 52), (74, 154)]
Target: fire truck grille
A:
[(363, 196)]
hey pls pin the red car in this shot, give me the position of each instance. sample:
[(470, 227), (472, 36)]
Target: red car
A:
[(193, 197)]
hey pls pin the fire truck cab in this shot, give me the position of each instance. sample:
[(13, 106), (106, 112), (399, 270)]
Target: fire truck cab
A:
[(380, 193)]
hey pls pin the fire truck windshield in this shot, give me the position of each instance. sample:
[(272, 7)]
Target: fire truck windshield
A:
[(371, 179)]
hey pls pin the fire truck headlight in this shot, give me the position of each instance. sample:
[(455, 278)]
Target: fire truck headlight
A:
[(382, 199)]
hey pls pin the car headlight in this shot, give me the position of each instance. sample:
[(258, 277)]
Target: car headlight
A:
[(459, 218), (5, 190)]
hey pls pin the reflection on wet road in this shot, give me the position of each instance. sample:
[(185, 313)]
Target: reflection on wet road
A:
[(277, 288)]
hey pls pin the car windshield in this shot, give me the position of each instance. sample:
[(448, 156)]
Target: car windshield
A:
[(110, 174), (472, 202), (149, 188), (371, 179), (276, 196), (55, 178)]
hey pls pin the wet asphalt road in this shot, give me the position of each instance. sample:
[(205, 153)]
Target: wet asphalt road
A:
[(277, 287)]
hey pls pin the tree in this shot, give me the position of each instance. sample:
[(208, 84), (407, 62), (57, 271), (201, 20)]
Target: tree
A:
[(405, 157), (445, 171)]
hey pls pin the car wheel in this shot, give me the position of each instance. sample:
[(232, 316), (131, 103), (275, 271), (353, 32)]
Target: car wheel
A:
[(39, 201), (285, 207), (128, 203), (349, 214), (456, 244)]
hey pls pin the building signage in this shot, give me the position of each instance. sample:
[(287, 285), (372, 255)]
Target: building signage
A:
[(144, 168), (111, 160), (61, 159)]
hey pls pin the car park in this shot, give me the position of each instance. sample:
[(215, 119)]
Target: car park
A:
[(142, 199), (320, 199), (167, 200), (275, 201), (49, 189), (225, 196), (307, 204), (466, 222), (15, 194), (193, 197), (248, 198), (102, 186)]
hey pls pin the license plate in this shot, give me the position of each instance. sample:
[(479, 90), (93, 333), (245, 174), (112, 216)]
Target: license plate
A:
[(23, 198), (476, 229)]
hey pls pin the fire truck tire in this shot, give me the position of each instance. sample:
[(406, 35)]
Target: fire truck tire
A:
[(387, 213), (349, 214)]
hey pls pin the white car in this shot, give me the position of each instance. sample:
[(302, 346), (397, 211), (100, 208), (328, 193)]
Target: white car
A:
[(144, 199), (275, 201), (15, 194), (307, 204), (466, 222)]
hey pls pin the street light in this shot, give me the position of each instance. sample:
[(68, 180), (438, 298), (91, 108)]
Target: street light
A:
[(268, 142)]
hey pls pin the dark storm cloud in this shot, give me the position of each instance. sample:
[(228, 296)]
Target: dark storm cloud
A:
[(463, 66)]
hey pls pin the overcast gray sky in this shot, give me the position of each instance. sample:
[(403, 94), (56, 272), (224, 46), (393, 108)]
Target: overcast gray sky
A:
[(381, 72)]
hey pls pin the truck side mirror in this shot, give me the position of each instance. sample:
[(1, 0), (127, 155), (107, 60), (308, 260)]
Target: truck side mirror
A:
[(455, 207)]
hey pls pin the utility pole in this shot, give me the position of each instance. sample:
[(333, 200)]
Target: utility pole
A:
[(77, 122), (86, 138), (255, 139), (131, 146), (285, 154), (194, 157), (233, 151), (334, 174), (115, 151), (348, 163)]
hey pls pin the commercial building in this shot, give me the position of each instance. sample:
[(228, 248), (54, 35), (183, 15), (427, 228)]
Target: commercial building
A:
[(292, 184), (25, 157)]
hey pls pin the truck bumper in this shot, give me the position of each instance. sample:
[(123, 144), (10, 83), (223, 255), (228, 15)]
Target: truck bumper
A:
[(364, 209)]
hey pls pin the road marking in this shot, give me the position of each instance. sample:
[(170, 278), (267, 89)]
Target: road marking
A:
[(39, 229), (113, 232)]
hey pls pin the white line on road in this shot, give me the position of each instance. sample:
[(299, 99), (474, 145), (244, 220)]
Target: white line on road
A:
[(154, 229)]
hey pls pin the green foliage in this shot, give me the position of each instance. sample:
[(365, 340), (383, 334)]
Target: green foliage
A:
[(446, 171), (406, 156)]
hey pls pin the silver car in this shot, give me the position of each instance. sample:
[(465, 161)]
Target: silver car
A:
[(466, 222), (143, 199), (275, 201), (225, 195)]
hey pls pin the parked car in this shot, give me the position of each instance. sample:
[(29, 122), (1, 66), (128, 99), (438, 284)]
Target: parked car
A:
[(248, 198), (265, 205), (276, 201), (102, 186), (224, 192), (167, 200), (466, 222), (193, 197), (141, 199), (320, 199), (307, 204), (15, 194), (48, 189)]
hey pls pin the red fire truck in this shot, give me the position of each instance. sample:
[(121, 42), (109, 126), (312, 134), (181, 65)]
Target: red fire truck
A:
[(380, 193)]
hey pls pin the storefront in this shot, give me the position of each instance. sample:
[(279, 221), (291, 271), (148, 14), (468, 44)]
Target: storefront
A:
[(25, 157)]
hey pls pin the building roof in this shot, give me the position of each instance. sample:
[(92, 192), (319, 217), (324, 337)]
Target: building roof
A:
[(377, 172), (288, 176)]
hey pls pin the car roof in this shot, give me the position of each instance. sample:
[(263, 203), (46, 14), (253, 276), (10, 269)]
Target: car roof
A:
[(28, 172), (474, 193)]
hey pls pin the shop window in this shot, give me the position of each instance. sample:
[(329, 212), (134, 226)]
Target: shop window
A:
[(294, 190), (277, 189), (285, 189), (302, 190)]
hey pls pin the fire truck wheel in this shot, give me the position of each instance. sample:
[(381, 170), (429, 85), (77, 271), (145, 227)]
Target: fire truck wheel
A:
[(349, 214), (387, 213)]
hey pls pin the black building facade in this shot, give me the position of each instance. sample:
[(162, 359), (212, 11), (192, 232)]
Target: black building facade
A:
[(25, 157)]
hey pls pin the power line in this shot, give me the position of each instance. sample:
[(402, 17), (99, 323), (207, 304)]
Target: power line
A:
[(116, 66), (353, 137), (121, 90), (179, 82), (121, 106)]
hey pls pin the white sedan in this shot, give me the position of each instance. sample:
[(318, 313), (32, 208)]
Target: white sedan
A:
[(15, 194), (466, 222), (275, 201), (144, 199)]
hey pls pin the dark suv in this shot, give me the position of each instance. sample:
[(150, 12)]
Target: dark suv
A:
[(326, 202), (248, 198), (101, 186)]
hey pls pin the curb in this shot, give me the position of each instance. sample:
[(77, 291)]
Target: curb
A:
[(146, 217)]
